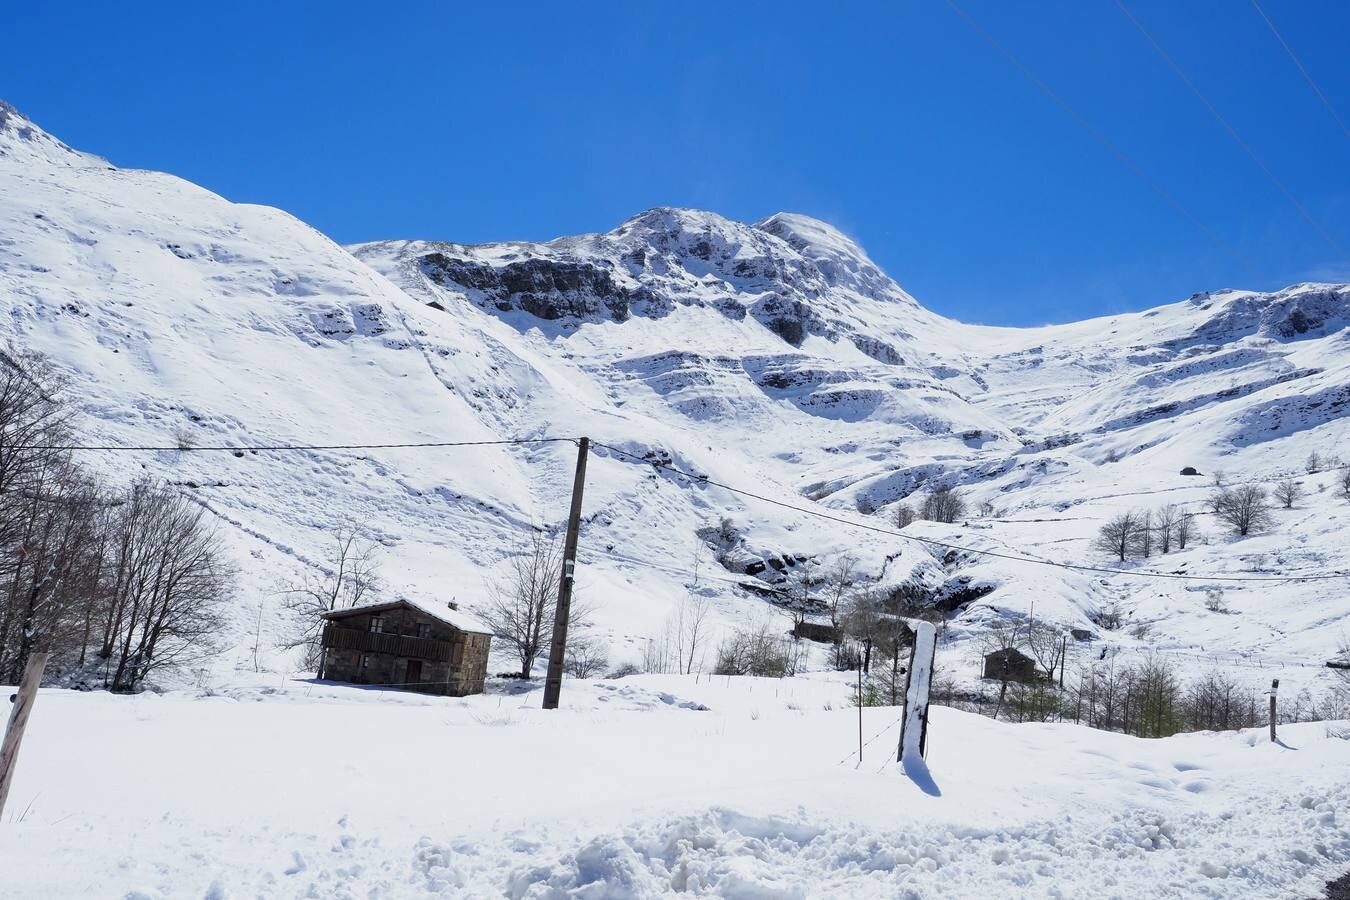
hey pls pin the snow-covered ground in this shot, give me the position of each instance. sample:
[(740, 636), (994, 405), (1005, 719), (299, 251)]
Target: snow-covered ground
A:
[(647, 786)]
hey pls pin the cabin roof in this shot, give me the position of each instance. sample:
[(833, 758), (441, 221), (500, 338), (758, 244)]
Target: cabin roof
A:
[(461, 621)]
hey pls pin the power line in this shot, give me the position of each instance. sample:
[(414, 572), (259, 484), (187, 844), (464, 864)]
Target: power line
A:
[(700, 479), (1101, 138), (704, 479), (762, 587), (1232, 132), (1306, 75), (255, 448)]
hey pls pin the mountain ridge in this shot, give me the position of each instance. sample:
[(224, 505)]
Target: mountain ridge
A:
[(774, 356)]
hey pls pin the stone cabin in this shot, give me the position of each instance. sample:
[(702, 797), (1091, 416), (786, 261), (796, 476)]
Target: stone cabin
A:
[(405, 644), (820, 632), (1010, 665)]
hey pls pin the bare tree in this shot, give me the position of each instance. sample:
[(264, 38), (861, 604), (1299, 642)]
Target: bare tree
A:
[(861, 620), (521, 605), (1288, 492), (1185, 530), (348, 576), (904, 515), (689, 630), (77, 558), (1002, 636), (1313, 464), (799, 593), (893, 640), (1243, 508), (1144, 536), (170, 583), (1165, 525), (1120, 536), (944, 505), (838, 580), (1345, 483), (1047, 645)]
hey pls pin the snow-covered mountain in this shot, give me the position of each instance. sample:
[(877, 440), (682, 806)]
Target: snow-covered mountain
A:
[(774, 356)]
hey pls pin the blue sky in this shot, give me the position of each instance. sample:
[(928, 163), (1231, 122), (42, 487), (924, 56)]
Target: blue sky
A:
[(894, 121)]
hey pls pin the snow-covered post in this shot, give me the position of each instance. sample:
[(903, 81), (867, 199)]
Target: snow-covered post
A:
[(18, 719), (914, 725), (1274, 687)]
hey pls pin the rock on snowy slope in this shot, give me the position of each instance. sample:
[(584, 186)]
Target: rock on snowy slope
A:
[(775, 356)]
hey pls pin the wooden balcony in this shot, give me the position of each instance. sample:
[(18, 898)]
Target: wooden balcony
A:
[(378, 642)]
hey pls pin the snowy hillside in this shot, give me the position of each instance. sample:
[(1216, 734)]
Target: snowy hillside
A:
[(774, 357)]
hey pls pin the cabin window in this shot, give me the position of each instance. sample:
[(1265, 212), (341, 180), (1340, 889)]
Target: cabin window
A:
[(376, 624), (424, 630), (365, 662)]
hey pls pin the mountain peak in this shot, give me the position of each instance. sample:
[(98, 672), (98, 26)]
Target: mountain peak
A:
[(840, 259), (20, 136)]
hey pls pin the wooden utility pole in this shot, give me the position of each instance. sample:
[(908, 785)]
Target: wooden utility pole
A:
[(558, 648), (18, 719), (1274, 686)]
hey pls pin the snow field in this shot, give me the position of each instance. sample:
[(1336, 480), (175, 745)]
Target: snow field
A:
[(643, 787)]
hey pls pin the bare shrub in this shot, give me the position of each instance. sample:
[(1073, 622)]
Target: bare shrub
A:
[(184, 438), (904, 515), (623, 670), (1313, 464), (1288, 492), (757, 650), (944, 505), (1109, 617), (586, 656)]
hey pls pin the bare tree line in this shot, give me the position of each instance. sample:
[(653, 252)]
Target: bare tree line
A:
[(117, 584)]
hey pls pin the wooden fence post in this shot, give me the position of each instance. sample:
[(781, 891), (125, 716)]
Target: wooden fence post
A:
[(860, 706), (914, 724), (18, 719)]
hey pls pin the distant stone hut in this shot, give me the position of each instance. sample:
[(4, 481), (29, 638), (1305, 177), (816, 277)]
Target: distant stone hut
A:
[(409, 645), (820, 632), (1010, 665)]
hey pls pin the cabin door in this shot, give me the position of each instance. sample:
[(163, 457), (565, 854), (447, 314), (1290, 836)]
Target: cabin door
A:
[(414, 673)]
